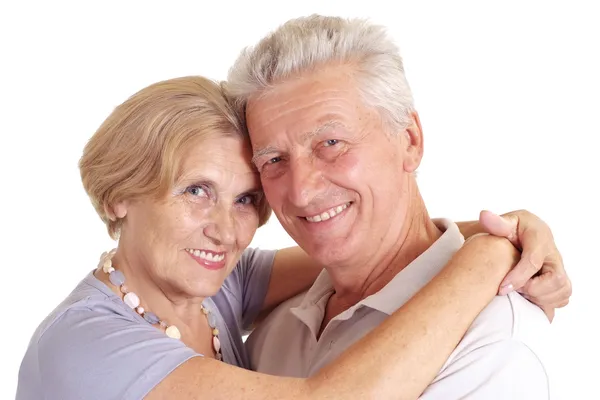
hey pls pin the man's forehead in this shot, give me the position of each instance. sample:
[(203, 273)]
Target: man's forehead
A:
[(269, 143)]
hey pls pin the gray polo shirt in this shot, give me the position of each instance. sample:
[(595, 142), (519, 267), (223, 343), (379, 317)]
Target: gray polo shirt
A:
[(500, 357), (93, 346)]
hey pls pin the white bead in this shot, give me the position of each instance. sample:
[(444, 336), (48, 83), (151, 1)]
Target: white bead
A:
[(132, 300), (109, 270), (101, 261), (107, 264), (140, 310), (173, 332), (216, 344)]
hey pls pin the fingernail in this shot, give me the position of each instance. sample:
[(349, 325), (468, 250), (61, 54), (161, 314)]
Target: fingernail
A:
[(506, 289)]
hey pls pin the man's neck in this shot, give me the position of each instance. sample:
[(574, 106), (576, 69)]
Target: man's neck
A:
[(354, 283)]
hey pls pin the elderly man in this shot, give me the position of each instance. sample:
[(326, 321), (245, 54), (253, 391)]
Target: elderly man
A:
[(337, 141)]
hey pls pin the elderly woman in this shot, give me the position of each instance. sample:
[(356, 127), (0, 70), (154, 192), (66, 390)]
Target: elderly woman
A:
[(162, 316)]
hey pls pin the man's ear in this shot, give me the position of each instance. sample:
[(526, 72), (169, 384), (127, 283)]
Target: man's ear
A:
[(414, 143)]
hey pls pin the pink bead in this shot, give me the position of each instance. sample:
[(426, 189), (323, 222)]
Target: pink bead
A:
[(132, 300), (216, 344)]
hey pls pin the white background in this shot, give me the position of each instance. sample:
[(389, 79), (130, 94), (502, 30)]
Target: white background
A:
[(508, 98)]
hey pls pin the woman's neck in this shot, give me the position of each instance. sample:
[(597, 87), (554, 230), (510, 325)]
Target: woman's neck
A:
[(162, 299)]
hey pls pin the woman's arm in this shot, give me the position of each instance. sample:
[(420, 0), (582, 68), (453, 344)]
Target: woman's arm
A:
[(382, 365), (540, 274), (293, 272)]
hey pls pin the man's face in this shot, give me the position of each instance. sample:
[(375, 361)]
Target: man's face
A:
[(335, 179)]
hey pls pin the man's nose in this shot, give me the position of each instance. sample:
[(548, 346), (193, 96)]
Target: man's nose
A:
[(306, 182)]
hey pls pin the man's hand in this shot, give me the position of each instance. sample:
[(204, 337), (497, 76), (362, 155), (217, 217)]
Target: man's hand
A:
[(540, 275)]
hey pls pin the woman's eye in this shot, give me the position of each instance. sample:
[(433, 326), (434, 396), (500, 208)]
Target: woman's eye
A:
[(331, 142), (246, 200), (274, 160), (195, 190)]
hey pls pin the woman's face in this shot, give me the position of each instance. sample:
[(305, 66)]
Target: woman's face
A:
[(190, 241)]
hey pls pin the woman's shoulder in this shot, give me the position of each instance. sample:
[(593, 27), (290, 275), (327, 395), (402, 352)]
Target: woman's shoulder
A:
[(92, 334), (256, 256), (253, 268), (90, 296)]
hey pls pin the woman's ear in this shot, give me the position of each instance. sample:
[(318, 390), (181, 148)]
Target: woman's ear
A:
[(117, 211)]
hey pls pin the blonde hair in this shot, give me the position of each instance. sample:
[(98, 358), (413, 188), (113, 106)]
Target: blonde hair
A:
[(138, 149), (304, 44)]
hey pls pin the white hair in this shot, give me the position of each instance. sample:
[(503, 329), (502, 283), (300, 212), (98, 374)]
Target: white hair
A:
[(303, 44)]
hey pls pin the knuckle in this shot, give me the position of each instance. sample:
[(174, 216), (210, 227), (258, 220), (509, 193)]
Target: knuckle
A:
[(534, 264), (562, 303), (558, 282)]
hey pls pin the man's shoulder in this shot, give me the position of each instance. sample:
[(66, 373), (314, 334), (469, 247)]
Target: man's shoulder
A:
[(501, 356), (507, 318)]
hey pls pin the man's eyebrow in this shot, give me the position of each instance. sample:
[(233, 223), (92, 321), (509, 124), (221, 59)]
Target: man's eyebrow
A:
[(327, 125), (304, 138), (262, 152)]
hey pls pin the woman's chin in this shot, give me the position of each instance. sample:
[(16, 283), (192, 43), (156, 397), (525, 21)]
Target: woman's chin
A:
[(204, 288)]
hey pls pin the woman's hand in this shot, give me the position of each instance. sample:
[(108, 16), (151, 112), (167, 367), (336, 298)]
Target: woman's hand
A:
[(540, 274)]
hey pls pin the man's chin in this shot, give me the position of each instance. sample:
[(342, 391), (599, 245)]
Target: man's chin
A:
[(330, 252)]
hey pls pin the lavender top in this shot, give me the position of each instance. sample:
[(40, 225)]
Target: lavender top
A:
[(93, 346)]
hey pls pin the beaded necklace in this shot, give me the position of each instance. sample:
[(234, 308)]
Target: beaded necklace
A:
[(133, 301)]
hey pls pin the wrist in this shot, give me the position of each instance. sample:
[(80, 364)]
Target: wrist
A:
[(470, 228), (496, 251)]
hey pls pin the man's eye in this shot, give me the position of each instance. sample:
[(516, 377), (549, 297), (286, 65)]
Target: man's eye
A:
[(196, 190), (274, 160), (331, 142)]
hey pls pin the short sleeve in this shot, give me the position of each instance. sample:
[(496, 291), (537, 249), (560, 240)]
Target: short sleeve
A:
[(495, 359), (502, 370), (99, 353), (253, 274)]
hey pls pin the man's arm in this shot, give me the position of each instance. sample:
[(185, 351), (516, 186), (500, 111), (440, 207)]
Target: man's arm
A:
[(540, 275)]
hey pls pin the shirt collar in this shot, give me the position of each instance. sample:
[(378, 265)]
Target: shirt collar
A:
[(419, 272), (398, 291), (311, 310)]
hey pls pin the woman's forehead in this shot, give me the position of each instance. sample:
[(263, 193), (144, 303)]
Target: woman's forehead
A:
[(223, 160)]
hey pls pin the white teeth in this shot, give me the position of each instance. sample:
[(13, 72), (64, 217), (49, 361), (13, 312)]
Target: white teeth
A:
[(324, 216), (206, 255)]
